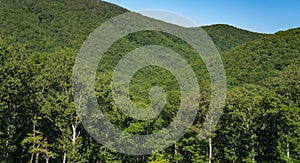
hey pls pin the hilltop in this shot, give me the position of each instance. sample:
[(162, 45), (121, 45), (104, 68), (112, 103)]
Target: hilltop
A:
[(256, 61), (226, 36), (45, 26)]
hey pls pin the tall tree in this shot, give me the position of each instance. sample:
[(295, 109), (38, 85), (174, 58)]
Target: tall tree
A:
[(15, 81)]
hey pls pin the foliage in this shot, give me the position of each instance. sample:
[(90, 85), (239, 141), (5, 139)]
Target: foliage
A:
[(38, 44), (226, 37)]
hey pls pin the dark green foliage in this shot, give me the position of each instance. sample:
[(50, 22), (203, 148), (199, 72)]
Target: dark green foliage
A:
[(46, 25), (38, 122), (226, 37), (255, 61)]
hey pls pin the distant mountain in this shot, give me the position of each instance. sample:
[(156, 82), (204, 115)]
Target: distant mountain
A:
[(46, 26), (255, 61), (226, 37)]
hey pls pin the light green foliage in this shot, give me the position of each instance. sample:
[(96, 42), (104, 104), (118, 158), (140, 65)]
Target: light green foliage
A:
[(15, 78), (157, 157)]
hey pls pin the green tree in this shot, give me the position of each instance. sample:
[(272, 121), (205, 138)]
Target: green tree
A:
[(15, 80), (240, 123)]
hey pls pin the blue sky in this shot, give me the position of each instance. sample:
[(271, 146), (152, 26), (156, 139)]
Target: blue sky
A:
[(266, 16)]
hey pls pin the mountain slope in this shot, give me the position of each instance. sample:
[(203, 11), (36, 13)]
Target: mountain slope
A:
[(226, 37), (46, 25), (255, 61)]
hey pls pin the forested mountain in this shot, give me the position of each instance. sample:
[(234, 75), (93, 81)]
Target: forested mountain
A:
[(46, 25), (226, 37), (39, 40), (255, 61)]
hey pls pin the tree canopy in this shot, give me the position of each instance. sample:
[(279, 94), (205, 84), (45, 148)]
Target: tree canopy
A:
[(39, 41)]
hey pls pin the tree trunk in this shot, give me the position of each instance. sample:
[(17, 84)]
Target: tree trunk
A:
[(74, 138), (31, 158), (287, 147), (175, 151), (47, 157), (252, 144), (37, 157), (32, 155), (65, 157), (210, 149)]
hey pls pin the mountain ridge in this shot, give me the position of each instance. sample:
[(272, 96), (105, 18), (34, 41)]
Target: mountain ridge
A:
[(47, 25), (226, 36)]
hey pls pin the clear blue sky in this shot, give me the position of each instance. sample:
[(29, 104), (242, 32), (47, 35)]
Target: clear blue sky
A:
[(266, 16)]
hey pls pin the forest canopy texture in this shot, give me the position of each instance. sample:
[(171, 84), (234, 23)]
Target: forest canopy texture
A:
[(39, 41)]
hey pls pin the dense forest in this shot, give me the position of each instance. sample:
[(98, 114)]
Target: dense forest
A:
[(39, 41)]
